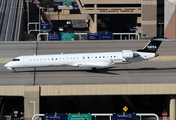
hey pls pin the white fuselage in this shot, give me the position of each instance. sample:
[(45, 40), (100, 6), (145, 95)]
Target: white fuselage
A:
[(91, 60)]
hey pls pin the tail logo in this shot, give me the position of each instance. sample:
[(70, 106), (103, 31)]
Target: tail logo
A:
[(152, 47)]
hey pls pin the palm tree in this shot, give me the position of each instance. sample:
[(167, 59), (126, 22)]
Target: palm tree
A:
[(47, 3)]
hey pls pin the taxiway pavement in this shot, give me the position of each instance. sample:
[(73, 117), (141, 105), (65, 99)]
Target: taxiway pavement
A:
[(147, 72)]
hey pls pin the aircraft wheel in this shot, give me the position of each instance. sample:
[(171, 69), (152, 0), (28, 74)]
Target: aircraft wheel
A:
[(94, 69)]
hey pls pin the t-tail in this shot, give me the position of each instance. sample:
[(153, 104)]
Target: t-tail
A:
[(153, 45)]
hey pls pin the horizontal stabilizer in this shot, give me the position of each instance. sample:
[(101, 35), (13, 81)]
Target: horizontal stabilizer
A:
[(160, 39)]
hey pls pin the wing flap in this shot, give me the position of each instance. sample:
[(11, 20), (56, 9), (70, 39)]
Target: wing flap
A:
[(91, 66), (96, 65)]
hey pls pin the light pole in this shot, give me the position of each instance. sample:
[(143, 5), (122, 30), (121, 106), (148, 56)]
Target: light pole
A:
[(160, 28), (39, 17), (34, 105)]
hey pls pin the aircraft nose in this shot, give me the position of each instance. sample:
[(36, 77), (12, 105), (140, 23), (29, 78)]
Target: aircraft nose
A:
[(6, 65)]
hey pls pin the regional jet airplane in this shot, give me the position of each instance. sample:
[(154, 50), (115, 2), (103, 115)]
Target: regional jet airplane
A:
[(90, 60)]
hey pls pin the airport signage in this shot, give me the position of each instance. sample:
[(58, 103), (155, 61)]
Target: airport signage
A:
[(56, 117), (54, 37), (124, 116), (67, 3), (99, 36), (93, 36), (133, 29), (56, 4), (79, 117), (74, 4), (164, 114), (45, 26), (144, 35), (106, 36), (68, 37)]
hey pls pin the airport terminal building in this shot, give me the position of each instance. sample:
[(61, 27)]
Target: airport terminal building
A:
[(115, 16)]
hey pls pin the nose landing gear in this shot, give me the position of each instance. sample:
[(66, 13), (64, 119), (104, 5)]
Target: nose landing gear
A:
[(14, 71)]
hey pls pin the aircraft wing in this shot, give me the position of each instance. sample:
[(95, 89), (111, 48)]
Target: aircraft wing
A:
[(96, 65)]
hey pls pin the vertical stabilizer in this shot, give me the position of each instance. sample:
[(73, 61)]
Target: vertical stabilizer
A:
[(153, 45)]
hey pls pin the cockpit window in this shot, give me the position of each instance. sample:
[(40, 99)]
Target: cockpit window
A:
[(16, 60)]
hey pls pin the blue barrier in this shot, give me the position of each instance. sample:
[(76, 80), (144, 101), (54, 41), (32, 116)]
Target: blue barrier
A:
[(56, 117), (54, 37), (99, 36), (124, 116), (106, 36), (93, 36)]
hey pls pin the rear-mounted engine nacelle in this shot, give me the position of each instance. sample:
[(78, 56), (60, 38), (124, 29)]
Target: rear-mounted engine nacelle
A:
[(129, 54)]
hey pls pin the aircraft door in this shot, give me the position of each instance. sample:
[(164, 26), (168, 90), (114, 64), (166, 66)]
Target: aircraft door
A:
[(25, 60)]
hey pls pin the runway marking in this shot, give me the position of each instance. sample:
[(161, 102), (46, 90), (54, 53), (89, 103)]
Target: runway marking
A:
[(164, 58)]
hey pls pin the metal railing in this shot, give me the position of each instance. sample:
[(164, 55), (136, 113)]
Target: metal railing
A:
[(129, 34), (36, 27), (81, 34), (109, 114)]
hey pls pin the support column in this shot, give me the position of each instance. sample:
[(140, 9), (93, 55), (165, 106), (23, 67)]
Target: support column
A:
[(95, 23), (91, 24), (172, 108), (149, 17), (95, 19), (31, 101)]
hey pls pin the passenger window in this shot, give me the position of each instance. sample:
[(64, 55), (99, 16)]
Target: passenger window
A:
[(83, 57), (56, 58), (77, 57), (111, 56), (99, 56), (88, 57), (96, 57), (114, 56), (103, 56), (52, 58)]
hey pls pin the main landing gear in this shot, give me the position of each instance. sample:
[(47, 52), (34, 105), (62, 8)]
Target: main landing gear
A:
[(14, 71), (94, 69)]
